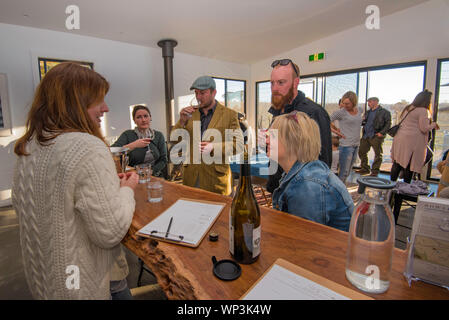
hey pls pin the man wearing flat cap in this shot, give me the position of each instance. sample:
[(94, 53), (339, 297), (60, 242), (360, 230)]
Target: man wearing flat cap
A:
[(376, 123), (209, 114)]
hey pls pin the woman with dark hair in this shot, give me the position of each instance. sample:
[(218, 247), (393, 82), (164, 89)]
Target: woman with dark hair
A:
[(410, 142), (146, 145), (73, 208)]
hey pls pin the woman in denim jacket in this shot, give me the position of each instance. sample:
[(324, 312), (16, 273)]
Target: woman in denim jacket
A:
[(308, 189)]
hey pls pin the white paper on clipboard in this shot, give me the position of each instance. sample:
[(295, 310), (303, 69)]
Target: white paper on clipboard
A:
[(191, 220)]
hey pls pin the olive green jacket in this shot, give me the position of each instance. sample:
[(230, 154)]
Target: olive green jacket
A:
[(215, 177)]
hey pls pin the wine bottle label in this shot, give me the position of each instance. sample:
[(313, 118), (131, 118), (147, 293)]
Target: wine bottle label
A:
[(256, 241)]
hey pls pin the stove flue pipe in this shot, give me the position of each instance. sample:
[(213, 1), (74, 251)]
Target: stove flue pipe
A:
[(167, 46)]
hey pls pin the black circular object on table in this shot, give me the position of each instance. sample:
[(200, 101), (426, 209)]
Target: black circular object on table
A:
[(213, 236), (226, 269)]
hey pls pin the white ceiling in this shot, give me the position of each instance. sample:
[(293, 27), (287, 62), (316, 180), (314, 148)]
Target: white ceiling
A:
[(242, 31)]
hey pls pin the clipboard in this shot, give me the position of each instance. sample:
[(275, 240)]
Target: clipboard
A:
[(185, 222), (310, 276)]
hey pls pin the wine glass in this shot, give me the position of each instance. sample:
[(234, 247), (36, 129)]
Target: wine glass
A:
[(151, 134), (194, 103)]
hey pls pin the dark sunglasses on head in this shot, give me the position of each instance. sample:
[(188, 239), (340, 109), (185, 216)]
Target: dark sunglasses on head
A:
[(284, 62)]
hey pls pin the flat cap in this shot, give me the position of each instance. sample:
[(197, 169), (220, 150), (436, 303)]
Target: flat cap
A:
[(203, 83)]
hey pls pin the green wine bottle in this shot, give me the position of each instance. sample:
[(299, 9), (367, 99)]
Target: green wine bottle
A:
[(244, 220)]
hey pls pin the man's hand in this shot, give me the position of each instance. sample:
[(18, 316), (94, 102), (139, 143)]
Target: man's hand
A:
[(380, 135), (185, 114), (206, 147)]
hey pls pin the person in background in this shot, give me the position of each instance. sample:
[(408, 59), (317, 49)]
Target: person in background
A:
[(408, 151), (146, 144), (210, 114), (73, 208), (285, 97), (308, 189), (350, 120), (376, 123), (335, 153)]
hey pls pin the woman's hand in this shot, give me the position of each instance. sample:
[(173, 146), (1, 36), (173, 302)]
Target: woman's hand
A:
[(129, 179), (139, 143)]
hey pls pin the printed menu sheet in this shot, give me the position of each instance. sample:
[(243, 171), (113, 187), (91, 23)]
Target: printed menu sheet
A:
[(429, 256), (286, 281)]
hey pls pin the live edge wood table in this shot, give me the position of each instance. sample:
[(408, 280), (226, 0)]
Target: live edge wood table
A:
[(186, 273)]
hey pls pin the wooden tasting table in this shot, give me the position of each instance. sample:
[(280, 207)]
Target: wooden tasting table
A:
[(186, 273)]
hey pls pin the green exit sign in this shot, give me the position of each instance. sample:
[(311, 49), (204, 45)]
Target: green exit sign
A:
[(316, 56)]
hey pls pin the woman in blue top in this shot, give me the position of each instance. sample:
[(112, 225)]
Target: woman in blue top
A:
[(308, 189)]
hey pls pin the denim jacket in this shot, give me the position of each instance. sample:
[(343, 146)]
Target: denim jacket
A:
[(311, 191)]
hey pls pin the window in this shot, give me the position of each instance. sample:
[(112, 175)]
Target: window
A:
[(336, 86), (231, 93), (5, 119), (441, 141), (308, 87), (395, 88), (263, 104), (394, 85), (45, 64)]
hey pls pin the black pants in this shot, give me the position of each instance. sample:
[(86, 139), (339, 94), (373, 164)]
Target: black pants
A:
[(396, 169)]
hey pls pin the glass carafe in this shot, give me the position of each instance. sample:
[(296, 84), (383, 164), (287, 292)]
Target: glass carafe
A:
[(371, 237)]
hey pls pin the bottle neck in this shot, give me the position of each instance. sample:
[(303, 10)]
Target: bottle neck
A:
[(245, 173)]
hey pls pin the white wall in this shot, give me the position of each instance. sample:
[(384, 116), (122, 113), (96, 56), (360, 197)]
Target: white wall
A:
[(135, 74), (418, 33)]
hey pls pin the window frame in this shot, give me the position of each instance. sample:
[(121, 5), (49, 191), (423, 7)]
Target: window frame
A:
[(226, 91), (435, 114)]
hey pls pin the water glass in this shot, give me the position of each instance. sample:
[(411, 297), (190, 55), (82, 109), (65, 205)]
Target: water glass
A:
[(154, 189), (144, 172)]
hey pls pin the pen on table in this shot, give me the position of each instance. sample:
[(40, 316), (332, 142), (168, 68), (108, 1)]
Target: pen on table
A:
[(169, 226)]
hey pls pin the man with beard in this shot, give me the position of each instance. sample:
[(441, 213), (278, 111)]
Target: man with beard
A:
[(209, 114), (285, 97)]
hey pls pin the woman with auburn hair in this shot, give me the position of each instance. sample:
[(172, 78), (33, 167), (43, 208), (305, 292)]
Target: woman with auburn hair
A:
[(408, 151), (308, 189), (73, 208)]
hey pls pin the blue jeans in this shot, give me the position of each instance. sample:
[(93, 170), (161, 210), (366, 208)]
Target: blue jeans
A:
[(347, 156)]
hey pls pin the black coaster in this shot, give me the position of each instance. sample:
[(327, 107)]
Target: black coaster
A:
[(226, 269)]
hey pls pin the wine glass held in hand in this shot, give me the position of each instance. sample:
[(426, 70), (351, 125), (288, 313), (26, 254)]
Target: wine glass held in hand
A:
[(194, 105), (186, 113)]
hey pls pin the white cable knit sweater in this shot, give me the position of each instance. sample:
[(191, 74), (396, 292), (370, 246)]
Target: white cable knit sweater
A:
[(72, 212)]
